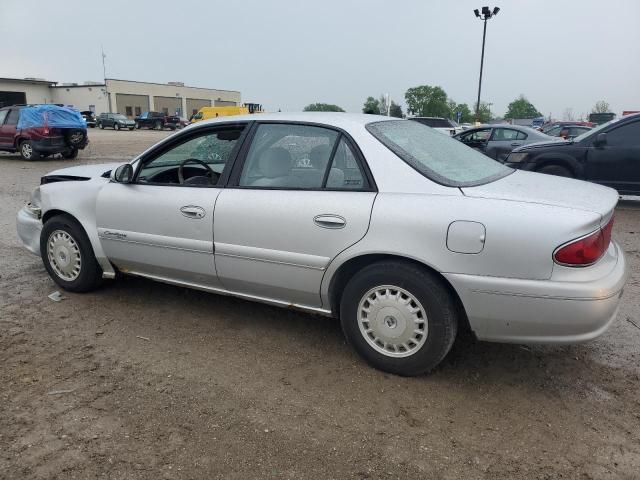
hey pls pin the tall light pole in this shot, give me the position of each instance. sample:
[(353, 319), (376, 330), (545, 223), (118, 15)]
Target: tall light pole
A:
[(104, 73), (485, 15)]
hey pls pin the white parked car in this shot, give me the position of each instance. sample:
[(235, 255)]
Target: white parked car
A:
[(404, 234)]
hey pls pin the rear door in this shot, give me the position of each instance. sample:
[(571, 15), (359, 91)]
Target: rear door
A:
[(616, 164), (502, 141), (300, 195)]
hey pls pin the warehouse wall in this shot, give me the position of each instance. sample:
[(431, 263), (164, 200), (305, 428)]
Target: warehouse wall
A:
[(34, 92), (195, 104), (82, 97), (168, 105), (130, 105)]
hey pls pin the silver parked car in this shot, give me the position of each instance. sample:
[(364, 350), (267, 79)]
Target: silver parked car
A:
[(404, 234), (497, 141)]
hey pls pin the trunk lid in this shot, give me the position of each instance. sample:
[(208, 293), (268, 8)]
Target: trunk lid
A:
[(531, 187)]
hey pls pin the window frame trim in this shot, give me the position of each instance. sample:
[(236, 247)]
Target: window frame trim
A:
[(161, 149), (234, 177)]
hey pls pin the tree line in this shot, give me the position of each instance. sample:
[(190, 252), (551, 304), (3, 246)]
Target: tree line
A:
[(432, 101)]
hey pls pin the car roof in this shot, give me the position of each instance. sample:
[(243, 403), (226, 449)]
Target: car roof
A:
[(337, 119)]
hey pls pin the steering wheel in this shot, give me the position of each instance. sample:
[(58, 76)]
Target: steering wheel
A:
[(213, 176)]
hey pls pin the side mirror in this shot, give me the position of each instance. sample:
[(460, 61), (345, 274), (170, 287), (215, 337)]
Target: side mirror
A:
[(122, 174), (601, 140)]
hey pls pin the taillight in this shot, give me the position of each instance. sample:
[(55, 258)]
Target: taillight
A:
[(586, 250)]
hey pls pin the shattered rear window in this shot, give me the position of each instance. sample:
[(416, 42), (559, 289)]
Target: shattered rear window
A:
[(436, 156)]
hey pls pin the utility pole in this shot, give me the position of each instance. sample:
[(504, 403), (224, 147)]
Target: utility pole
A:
[(104, 74), (486, 14)]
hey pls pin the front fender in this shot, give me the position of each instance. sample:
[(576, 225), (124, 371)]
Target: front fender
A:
[(78, 199)]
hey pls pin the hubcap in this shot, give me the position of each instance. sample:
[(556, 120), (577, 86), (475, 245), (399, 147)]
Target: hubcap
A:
[(64, 255), (392, 321), (27, 150)]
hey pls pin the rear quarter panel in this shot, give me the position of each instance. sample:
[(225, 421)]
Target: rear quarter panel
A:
[(520, 237)]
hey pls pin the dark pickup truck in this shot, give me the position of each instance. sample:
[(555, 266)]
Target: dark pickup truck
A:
[(157, 121)]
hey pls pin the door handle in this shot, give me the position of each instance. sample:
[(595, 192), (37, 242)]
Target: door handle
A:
[(329, 221), (515, 144), (193, 211)]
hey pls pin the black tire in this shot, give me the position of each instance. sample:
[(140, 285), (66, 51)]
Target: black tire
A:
[(438, 305), (101, 126), (557, 170), (158, 125), (27, 152), (89, 276), (131, 129), (137, 126), (116, 126), (70, 154), (75, 136)]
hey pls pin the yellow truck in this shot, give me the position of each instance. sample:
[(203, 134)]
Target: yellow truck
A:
[(206, 113)]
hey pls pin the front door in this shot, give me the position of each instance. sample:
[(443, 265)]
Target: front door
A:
[(616, 164), (161, 225), (299, 198)]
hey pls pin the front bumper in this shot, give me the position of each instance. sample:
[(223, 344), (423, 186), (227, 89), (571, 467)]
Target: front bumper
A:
[(29, 228), (556, 311)]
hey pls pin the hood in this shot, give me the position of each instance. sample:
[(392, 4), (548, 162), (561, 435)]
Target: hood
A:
[(80, 172), (559, 142), (531, 187)]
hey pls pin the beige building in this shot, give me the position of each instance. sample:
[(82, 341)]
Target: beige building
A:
[(128, 97)]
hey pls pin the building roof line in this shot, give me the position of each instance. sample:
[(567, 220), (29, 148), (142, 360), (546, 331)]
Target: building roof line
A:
[(28, 80), (176, 86)]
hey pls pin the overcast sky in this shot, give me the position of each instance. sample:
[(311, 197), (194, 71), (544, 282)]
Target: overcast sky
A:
[(289, 53)]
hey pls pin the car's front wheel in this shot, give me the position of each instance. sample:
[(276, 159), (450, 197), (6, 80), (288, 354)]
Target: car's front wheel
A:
[(101, 126), (399, 317), (137, 125), (557, 170), (116, 126), (158, 125), (68, 256)]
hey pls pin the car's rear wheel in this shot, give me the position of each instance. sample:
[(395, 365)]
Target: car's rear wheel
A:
[(557, 170), (27, 152), (71, 153), (158, 125), (399, 317), (137, 126), (68, 256)]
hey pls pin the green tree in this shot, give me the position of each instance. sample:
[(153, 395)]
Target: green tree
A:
[(522, 108), (427, 101), (322, 107), (601, 107), (395, 110), (371, 106), (466, 114), (484, 114)]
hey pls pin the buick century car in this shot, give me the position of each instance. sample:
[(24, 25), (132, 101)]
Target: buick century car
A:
[(405, 235)]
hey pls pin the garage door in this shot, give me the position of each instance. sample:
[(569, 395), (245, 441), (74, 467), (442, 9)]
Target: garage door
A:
[(168, 105), (131, 105), (195, 104), (12, 98), (224, 103)]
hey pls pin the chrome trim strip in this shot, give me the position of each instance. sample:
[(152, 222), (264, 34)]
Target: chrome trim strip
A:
[(242, 257), (115, 239), (544, 297), (222, 291)]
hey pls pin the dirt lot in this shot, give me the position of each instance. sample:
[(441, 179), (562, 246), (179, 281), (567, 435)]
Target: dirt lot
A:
[(223, 388)]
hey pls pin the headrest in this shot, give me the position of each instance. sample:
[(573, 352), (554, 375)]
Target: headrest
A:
[(275, 162)]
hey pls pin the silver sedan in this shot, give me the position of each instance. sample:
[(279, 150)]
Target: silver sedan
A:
[(405, 235)]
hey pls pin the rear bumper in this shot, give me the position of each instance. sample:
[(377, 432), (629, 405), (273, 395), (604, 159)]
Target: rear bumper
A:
[(55, 145), (544, 311), (29, 228)]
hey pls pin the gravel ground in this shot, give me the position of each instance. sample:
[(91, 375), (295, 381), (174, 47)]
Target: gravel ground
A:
[(145, 380)]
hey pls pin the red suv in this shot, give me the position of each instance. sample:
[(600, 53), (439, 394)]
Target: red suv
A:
[(37, 131)]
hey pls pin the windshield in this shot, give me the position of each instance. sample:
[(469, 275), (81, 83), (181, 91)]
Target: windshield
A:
[(436, 156), (595, 131), (119, 117)]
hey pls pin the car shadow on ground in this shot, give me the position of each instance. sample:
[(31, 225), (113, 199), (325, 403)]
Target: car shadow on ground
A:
[(185, 311)]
